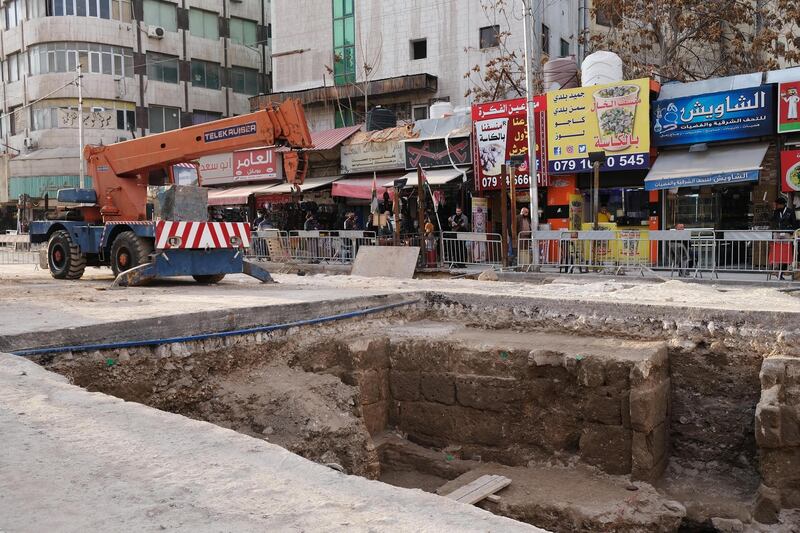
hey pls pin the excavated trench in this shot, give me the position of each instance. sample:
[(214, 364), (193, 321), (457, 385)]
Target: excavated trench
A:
[(643, 431)]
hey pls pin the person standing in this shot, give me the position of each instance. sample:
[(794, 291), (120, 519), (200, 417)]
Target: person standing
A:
[(350, 222), (459, 223), (260, 219), (781, 249), (312, 250), (792, 99), (348, 242)]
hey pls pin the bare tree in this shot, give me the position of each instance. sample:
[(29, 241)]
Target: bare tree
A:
[(687, 40)]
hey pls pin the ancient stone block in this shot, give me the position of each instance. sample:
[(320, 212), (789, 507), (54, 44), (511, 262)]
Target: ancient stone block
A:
[(438, 388), (790, 425), (649, 406), (471, 426), (651, 370), (607, 447), (545, 358), (369, 383), (618, 373), (429, 422), (376, 417), (773, 372), (648, 453), (768, 426), (404, 385), (603, 409), (780, 467), (542, 390), (767, 506), (376, 355), (591, 372), (494, 394)]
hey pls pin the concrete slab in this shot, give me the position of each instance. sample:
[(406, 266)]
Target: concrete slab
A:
[(79, 461), (397, 262)]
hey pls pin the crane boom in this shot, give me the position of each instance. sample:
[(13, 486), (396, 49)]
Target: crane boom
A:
[(121, 171)]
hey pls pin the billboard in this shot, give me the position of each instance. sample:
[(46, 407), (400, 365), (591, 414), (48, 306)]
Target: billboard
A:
[(260, 164), (434, 153), (788, 103), (721, 116), (614, 118), (501, 131), (372, 156), (790, 171)]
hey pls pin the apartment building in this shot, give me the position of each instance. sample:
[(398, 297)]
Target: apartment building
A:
[(148, 66)]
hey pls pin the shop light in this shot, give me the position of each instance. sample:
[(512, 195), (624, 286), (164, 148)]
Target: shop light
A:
[(700, 147)]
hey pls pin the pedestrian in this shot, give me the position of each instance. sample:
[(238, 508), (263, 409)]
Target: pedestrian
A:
[(261, 217), (781, 249), (312, 242), (311, 223), (349, 242), (459, 223), (350, 222), (388, 228), (524, 220)]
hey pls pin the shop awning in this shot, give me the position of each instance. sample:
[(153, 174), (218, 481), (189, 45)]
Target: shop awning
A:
[(309, 185), (360, 188), (435, 177), (234, 195), (718, 165)]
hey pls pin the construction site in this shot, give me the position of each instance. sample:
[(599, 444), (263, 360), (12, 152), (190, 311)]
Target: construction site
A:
[(326, 402)]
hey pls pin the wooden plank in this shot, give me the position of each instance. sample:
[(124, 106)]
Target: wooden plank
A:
[(494, 498), (479, 489)]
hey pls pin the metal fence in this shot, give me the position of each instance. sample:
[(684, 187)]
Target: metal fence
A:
[(467, 248), (683, 253), (309, 246), (17, 250)]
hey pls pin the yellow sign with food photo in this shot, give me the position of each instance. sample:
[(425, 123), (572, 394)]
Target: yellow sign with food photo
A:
[(613, 118)]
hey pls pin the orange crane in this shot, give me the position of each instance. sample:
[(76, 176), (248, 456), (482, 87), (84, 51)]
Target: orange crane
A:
[(111, 226)]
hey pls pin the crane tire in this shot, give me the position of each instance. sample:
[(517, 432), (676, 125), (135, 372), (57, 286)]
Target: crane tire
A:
[(208, 279), (129, 251), (64, 258)]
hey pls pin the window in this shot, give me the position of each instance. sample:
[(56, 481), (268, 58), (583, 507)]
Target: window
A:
[(419, 49), (205, 74), (126, 119), (344, 42), (13, 65), (199, 117), (161, 67), (564, 48), (244, 32), (164, 14), (545, 39), (490, 37), (419, 112), (93, 57), (163, 118), (203, 24), (13, 13), (244, 80), (83, 8)]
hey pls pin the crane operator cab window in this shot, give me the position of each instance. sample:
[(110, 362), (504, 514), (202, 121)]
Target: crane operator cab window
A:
[(158, 177)]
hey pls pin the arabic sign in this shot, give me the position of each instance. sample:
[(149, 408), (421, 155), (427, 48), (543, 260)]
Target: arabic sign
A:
[(788, 101), (68, 118), (790, 171), (261, 164), (721, 178), (434, 153), (710, 117), (614, 118), (372, 156), (501, 133)]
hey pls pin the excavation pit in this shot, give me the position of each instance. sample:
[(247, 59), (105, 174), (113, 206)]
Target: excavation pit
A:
[(420, 402)]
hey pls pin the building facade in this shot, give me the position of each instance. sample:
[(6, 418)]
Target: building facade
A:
[(401, 55), (148, 66)]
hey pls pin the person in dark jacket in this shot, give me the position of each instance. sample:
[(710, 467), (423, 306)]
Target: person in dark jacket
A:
[(311, 223), (781, 250), (783, 218)]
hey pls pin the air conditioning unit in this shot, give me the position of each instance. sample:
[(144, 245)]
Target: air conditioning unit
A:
[(156, 32), (29, 143)]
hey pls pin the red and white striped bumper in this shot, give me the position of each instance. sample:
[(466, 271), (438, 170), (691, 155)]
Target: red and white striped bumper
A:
[(201, 235)]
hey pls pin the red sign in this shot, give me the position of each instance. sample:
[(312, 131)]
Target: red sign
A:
[(501, 131), (790, 171), (789, 107), (250, 165)]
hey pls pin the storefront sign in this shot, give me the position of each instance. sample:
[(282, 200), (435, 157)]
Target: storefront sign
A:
[(788, 103), (261, 164), (719, 116), (790, 171), (372, 157), (698, 181), (614, 118), (434, 153), (501, 132)]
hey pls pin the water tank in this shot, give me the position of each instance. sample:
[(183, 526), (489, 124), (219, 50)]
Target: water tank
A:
[(600, 68), (561, 73), (380, 118), (441, 109)]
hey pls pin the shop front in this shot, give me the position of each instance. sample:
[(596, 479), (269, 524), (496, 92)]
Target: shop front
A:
[(286, 205), (717, 166)]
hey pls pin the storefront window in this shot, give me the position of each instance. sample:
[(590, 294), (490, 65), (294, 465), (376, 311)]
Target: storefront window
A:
[(627, 206), (711, 207)]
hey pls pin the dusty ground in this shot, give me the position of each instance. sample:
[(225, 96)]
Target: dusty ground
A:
[(79, 461), (35, 301)]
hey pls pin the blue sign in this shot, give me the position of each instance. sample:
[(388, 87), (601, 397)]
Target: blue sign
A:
[(230, 132), (721, 178), (722, 116)]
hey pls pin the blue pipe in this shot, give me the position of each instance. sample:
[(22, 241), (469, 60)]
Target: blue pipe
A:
[(203, 336)]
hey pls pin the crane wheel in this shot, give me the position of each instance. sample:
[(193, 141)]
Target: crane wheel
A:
[(64, 258), (208, 279), (129, 251)]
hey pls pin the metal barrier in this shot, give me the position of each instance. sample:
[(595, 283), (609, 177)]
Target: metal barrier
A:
[(328, 246), (17, 250), (680, 252), (269, 245), (467, 248)]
